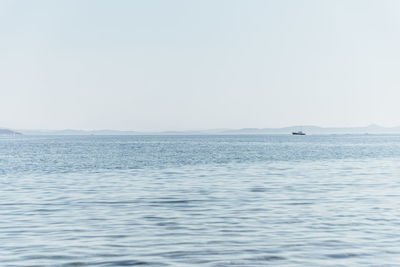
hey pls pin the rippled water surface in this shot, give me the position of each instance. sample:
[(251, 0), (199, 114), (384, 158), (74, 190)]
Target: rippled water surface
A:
[(200, 200)]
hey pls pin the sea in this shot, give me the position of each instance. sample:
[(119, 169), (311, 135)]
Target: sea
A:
[(222, 200)]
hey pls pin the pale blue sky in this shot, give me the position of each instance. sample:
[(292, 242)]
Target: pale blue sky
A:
[(179, 64)]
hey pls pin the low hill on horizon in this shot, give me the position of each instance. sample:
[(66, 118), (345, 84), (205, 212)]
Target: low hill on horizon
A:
[(371, 129), (4, 131)]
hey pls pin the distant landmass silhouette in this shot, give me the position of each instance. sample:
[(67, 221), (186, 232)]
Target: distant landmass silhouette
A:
[(371, 129), (4, 131)]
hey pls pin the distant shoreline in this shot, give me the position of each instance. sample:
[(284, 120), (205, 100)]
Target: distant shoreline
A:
[(313, 130), (8, 132)]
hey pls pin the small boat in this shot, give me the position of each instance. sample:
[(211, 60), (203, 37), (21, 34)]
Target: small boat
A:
[(298, 133)]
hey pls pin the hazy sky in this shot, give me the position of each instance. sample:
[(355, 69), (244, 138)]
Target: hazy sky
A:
[(179, 64)]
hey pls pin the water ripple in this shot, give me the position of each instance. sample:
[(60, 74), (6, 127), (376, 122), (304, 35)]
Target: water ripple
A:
[(200, 201)]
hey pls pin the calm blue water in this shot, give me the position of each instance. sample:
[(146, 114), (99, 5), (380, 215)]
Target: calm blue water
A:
[(200, 200)]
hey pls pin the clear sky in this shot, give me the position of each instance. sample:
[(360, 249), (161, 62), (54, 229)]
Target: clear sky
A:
[(200, 64)]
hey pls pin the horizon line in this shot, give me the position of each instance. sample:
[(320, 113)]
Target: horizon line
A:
[(199, 130)]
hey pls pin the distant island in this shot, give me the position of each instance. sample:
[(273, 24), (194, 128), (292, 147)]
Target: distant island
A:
[(4, 131), (371, 129)]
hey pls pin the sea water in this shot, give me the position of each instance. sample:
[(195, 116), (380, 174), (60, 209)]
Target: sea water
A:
[(251, 200)]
